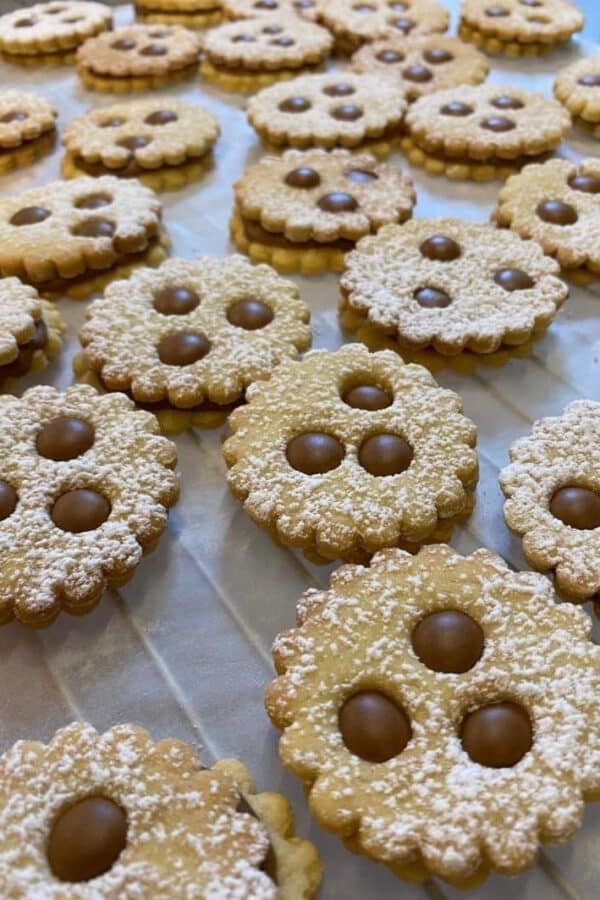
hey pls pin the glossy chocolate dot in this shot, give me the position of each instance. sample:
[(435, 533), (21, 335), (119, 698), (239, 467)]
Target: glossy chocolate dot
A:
[(440, 247), (513, 279), (591, 80), (589, 184), (304, 4), (303, 177), (367, 396), (283, 41), (93, 201), (94, 228), (272, 29), (389, 56), (65, 437), (456, 108), (338, 201), (182, 348), (123, 44), (432, 298), (87, 839), (135, 142), (30, 215), (24, 23), (175, 301), (8, 500), (448, 641), (437, 55), (161, 117), (112, 123), (314, 453), (504, 101), (397, 5), (498, 735), (498, 124), (348, 112), (361, 175), (250, 314), (339, 90), (14, 116), (576, 506), (159, 33), (404, 25), (530, 2), (243, 39), (373, 726), (266, 4), (294, 105), (363, 8), (496, 12), (80, 510), (154, 50), (556, 212), (419, 74), (383, 455)]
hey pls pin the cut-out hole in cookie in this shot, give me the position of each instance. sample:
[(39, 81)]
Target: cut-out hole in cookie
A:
[(182, 348), (363, 8), (134, 142), (94, 228), (337, 202), (55, 10), (272, 29), (513, 279), (347, 112), (456, 108), (390, 56), (71, 20), (497, 735), (398, 5), (303, 177), (361, 176), (123, 44), (497, 12), (304, 4), (417, 73), (266, 4), (159, 33), (243, 39), (80, 510), (114, 122), (589, 184), (440, 247), (384, 455), (432, 298), (505, 101), (93, 201), (373, 726), (294, 105), (499, 124), (556, 212), (315, 452), (30, 215), (15, 115), (161, 117), (8, 500), (154, 50), (590, 80), (175, 301), (25, 23), (250, 314), (363, 395), (283, 41), (539, 20), (531, 2), (86, 839), (576, 506), (437, 55), (448, 641), (403, 24), (341, 89), (64, 438)]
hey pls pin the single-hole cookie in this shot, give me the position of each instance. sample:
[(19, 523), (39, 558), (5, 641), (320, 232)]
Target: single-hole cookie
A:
[(519, 27), (116, 814), (557, 204), (250, 9), (52, 27), (482, 132), (356, 22), (428, 704), (305, 209), (452, 285), (339, 109), (552, 488), (344, 453), (578, 88), (31, 331), (27, 128), (422, 65)]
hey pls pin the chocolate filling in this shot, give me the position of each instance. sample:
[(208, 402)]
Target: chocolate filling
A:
[(187, 70), (22, 363), (257, 67), (160, 405), (48, 137), (255, 233), (130, 170), (515, 161)]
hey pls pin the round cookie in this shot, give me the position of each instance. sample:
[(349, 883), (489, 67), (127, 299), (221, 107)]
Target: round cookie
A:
[(433, 693), (252, 53), (250, 9), (303, 210), (347, 452), (27, 128), (339, 109), (578, 89), (482, 132), (103, 815), (353, 22), (452, 286), (188, 13), (31, 331), (422, 65), (52, 27), (552, 488), (557, 204), (519, 27)]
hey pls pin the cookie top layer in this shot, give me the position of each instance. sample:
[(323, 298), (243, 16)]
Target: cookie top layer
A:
[(557, 203), (24, 116), (578, 88), (249, 9), (48, 27), (323, 196), (524, 21), (140, 50), (20, 310), (341, 108), (423, 65), (452, 284), (147, 133), (487, 121), (265, 43), (375, 19)]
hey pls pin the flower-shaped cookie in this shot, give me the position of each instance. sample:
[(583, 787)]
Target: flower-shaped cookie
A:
[(31, 330), (354, 22), (578, 88), (117, 815), (344, 453), (422, 65), (337, 109), (519, 27), (85, 485), (452, 285), (52, 27), (557, 203), (553, 497), (442, 712), (24, 116), (250, 9)]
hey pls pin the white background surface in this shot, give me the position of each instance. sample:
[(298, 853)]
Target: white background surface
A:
[(184, 649)]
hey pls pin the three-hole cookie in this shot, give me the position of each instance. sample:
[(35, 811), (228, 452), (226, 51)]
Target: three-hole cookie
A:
[(519, 27), (52, 27), (250, 9), (356, 22)]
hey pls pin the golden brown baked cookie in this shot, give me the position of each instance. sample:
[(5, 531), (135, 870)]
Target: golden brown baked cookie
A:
[(578, 89), (117, 815), (519, 27), (303, 210), (552, 488), (27, 128), (422, 65), (188, 13), (557, 204), (31, 331), (435, 695), (354, 22), (54, 27), (482, 132), (249, 9), (348, 452)]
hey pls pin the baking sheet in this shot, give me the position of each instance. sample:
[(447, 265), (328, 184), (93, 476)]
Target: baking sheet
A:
[(184, 649)]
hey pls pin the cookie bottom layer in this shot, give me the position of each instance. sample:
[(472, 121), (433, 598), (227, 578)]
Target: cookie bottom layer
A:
[(194, 21), (506, 48), (27, 152), (40, 60), (166, 178), (247, 82), (39, 359), (134, 83), (379, 146), (463, 169)]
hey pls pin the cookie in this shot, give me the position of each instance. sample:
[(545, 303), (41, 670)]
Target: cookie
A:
[(452, 286), (187, 13), (348, 452), (189, 337), (557, 204), (31, 331), (144, 819), (27, 128), (482, 132), (52, 27), (154, 140), (435, 695), (422, 65), (250, 9), (519, 27), (61, 235), (552, 488), (252, 53), (332, 110), (355, 23), (303, 210), (138, 58), (578, 89)]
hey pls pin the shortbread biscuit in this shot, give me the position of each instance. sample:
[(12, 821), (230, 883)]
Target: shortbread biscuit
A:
[(188, 13), (578, 88), (452, 285), (347, 452), (482, 132), (31, 331), (250, 9), (52, 27), (27, 128), (252, 53), (519, 27), (422, 65), (339, 109), (117, 815), (552, 488), (354, 23), (303, 210), (557, 204), (428, 704), (86, 486)]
